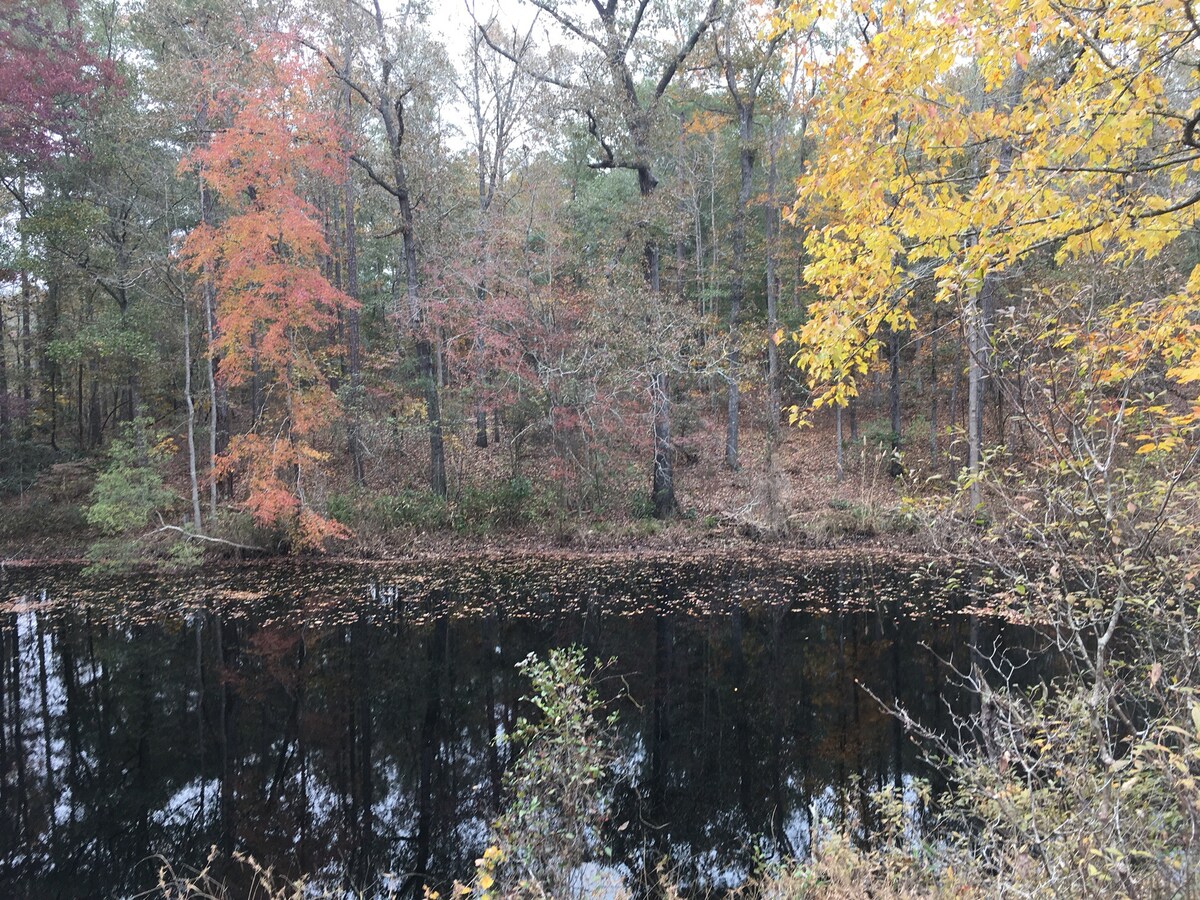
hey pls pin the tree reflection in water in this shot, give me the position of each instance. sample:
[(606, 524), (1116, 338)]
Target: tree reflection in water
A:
[(340, 721)]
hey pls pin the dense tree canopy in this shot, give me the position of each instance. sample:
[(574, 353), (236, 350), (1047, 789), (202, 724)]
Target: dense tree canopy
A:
[(561, 238)]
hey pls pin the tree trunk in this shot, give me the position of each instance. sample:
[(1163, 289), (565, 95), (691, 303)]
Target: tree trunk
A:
[(26, 348), (218, 417), (391, 111), (5, 408), (353, 345), (933, 398), (989, 385), (662, 488), (481, 427), (841, 470), (746, 154), (95, 410), (48, 368), (894, 469), (191, 415), (972, 326), (894, 386), (215, 397)]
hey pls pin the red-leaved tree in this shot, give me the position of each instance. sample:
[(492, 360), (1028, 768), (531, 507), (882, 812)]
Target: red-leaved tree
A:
[(49, 80)]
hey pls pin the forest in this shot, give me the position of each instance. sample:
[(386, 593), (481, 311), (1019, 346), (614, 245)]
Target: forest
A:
[(281, 274), (354, 279)]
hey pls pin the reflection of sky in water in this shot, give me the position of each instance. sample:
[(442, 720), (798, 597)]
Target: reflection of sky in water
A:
[(194, 803), (345, 721)]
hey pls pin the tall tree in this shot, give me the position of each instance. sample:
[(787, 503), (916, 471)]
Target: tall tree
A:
[(744, 64), (386, 90), (496, 91), (620, 116), (264, 261)]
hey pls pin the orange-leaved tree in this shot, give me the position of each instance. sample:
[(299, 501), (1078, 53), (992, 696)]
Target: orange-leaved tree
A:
[(275, 308)]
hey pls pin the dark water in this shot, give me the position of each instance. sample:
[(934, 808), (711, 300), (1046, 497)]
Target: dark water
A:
[(340, 721)]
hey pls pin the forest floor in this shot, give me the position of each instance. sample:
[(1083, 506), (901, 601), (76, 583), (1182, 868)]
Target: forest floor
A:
[(720, 510)]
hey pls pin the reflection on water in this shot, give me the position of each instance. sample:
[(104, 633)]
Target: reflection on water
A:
[(341, 721)]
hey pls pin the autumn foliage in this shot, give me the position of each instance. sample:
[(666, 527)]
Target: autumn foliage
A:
[(50, 80), (275, 306), (962, 141)]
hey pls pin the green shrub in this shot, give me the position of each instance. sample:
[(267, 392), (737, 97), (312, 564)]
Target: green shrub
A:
[(130, 489), (421, 510), (558, 789), (641, 506), (361, 511), (878, 433), (342, 508), (39, 517), (507, 505)]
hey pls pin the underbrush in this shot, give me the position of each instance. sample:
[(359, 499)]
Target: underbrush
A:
[(376, 513), (507, 504), (42, 517), (22, 462)]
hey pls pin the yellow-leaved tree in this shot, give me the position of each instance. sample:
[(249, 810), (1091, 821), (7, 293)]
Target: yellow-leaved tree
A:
[(960, 141), (1034, 165)]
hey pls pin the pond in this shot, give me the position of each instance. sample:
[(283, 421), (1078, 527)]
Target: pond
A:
[(341, 720)]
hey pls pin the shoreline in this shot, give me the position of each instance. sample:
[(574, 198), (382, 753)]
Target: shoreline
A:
[(673, 543)]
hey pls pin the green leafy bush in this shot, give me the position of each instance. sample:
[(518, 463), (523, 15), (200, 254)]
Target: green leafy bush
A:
[(362, 511), (413, 509), (558, 797), (41, 516), (641, 506), (130, 489)]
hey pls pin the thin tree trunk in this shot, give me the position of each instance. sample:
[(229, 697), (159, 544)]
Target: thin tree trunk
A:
[(481, 427), (257, 401), (894, 386), (933, 393), (48, 333), (95, 407), (5, 408), (353, 336), (662, 489), (191, 415), (79, 405), (26, 347), (744, 102), (894, 468), (774, 402), (972, 326), (214, 396), (841, 469), (218, 415), (746, 154), (391, 111)]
